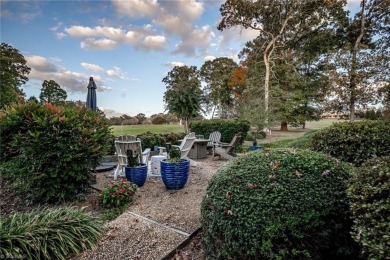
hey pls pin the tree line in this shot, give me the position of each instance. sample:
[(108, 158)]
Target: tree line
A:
[(310, 57)]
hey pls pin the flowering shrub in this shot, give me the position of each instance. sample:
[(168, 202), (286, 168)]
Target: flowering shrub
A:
[(118, 193)]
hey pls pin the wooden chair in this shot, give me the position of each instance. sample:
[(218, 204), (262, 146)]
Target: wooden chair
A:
[(124, 143), (215, 138), (226, 150), (184, 147)]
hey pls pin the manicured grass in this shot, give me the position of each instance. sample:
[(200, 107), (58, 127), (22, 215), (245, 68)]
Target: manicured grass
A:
[(314, 125), (139, 129)]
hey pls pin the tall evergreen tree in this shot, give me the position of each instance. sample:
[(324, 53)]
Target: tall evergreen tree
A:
[(52, 92), (13, 74)]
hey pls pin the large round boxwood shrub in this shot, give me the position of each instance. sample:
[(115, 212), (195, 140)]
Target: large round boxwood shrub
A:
[(52, 149), (278, 205), (370, 203), (353, 142)]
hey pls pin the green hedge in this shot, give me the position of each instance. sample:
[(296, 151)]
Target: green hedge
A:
[(353, 142), (370, 203), (48, 233), (227, 128), (149, 140), (278, 205), (52, 149)]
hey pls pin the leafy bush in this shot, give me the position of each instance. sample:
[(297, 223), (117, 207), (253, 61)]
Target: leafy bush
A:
[(227, 128), (117, 193), (45, 233), (173, 138), (159, 120), (52, 149), (149, 140), (278, 205), (370, 203), (353, 142)]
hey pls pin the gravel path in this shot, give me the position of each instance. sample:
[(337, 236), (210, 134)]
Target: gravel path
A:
[(158, 220)]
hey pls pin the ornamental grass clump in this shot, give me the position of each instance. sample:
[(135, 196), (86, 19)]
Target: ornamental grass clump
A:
[(48, 233), (278, 204), (117, 194), (369, 192)]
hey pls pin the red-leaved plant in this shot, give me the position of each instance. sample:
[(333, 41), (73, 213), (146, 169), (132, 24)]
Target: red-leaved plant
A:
[(117, 193)]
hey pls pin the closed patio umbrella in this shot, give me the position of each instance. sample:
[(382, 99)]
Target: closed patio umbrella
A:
[(91, 96)]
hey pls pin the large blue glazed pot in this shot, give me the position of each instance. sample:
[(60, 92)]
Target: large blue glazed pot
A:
[(254, 148), (175, 175), (137, 174)]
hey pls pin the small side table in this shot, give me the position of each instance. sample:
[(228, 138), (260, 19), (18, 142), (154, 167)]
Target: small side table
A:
[(155, 164)]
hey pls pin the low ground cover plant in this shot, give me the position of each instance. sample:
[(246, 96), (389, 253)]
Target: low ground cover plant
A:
[(369, 192), (46, 233), (278, 205), (353, 142)]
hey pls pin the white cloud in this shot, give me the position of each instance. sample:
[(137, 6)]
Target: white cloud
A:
[(199, 37), (154, 43), (144, 38), (40, 64), (116, 72), (174, 18), (92, 67), (110, 112), (237, 34), (24, 11), (70, 81), (101, 44), (209, 58), (61, 35), (136, 8), (173, 64)]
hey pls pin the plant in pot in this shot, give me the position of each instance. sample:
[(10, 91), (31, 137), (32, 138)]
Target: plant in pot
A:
[(135, 172), (174, 171), (254, 146)]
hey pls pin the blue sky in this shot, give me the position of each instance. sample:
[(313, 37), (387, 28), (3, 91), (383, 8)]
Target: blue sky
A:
[(128, 46)]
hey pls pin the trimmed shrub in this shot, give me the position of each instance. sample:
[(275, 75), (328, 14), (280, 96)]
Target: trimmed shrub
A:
[(227, 128), (369, 192), (159, 120), (278, 205), (173, 138), (53, 149), (149, 140), (353, 142), (47, 233)]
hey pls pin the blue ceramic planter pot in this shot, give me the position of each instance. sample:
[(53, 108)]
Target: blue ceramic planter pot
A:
[(175, 175), (137, 175), (254, 148)]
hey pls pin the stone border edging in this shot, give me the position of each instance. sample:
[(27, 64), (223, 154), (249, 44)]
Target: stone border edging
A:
[(185, 242)]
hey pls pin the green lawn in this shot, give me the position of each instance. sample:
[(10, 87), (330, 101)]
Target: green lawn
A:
[(294, 132), (139, 129)]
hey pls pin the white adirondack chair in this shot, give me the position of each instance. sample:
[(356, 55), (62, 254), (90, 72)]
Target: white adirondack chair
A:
[(215, 138), (226, 151), (184, 147), (124, 143)]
